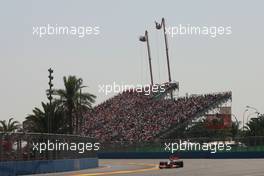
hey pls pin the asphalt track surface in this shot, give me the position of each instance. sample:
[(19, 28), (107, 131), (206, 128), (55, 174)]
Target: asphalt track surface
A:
[(192, 167)]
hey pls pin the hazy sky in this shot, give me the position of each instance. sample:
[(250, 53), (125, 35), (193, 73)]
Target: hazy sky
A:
[(200, 63)]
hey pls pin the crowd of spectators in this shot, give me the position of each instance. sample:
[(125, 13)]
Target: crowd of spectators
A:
[(134, 116)]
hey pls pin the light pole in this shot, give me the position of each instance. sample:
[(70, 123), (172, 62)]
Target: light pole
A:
[(246, 110), (80, 121), (146, 39), (158, 27), (250, 107)]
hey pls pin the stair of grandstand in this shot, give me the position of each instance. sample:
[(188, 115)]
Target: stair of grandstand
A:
[(199, 114), (169, 88)]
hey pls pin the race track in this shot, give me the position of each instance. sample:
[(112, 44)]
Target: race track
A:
[(192, 167)]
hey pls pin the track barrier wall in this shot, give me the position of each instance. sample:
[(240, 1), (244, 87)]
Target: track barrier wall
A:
[(12, 168), (187, 155), (17, 154)]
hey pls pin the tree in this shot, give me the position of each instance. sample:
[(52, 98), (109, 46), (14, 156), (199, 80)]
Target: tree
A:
[(235, 131), (73, 100), (11, 126), (255, 127), (38, 121)]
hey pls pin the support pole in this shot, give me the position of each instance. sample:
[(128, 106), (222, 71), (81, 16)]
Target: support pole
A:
[(149, 54), (167, 48)]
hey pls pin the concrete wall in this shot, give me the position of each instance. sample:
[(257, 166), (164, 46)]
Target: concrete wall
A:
[(11, 168)]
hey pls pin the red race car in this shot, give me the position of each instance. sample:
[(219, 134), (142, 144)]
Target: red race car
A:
[(173, 162)]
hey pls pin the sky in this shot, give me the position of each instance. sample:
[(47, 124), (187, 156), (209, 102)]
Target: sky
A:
[(200, 63)]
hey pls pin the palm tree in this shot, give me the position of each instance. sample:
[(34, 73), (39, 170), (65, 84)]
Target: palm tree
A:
[(255, 127), (73, 100), (38, 121), (11, 126), (235, 131)]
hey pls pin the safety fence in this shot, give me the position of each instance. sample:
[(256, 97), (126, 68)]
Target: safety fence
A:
[(36, 146), (238, 144)]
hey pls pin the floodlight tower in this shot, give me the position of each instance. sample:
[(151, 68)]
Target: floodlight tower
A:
[(79, 120), (49, 95), (158, 27), (146, 39)]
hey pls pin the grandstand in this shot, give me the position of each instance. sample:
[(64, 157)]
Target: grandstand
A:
[(135, 116)]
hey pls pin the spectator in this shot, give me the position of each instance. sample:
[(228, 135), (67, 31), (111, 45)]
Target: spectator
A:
[(134, 116)]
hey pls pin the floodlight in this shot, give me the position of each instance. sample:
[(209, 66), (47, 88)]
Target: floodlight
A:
[(142, 38), (158, 25)]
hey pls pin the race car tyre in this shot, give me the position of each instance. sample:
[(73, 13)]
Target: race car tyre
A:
[(181, 164)]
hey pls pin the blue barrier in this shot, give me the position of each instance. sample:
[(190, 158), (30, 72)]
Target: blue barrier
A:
[(12, 168), (194, 155)]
